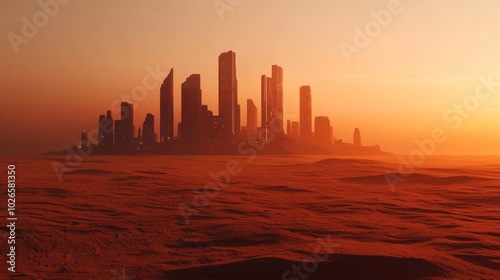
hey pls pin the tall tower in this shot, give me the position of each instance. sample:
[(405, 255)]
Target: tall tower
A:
[(266, 102), (106, 131), (322, 130), (356, 138), (277, 96), (148, 131), (167, 109), (127, 120), (305, 115), (85, 140), (229, 109), (102, 120), (251, 117), (191, 111), (272, 100)]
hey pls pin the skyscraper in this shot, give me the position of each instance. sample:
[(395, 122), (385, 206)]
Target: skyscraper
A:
[(322, 131), (228, 95), (277, 96), (266, 103), (191, 111), (118, 137), (85, 140), (127, 118), (305, 115), (100, 137), (212, 129), (106, 131), (167, 109), (148, 131), (251, 117), (272, 101), (356, 138)]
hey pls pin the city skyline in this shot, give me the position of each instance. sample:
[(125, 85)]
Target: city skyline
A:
[(406, 78), (201, 130)]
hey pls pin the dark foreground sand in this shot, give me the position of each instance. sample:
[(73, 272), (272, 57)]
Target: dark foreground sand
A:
[(119, 218)]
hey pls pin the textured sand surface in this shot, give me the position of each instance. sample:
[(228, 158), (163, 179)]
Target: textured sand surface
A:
[(119, 218)]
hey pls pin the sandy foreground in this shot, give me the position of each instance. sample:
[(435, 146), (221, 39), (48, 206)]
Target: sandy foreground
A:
[(291, 217)]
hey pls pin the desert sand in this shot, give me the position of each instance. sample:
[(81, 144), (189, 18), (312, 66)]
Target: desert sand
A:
[(119, 218)]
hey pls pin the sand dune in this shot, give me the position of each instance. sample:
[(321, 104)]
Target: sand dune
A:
[(113, 215), (340, 267)]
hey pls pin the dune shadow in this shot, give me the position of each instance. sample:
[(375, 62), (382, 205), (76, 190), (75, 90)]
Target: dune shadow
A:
[(414, 178), (345, 161), (283, 189), (89, 171), (337, 267)]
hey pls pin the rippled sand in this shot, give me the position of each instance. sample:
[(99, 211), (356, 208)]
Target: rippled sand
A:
[(119, 218)]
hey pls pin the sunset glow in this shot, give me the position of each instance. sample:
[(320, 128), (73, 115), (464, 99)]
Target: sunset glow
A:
[(396, 89)]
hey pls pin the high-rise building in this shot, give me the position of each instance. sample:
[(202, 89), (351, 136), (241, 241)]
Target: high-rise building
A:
[(212, 129), (106, 131), (277, 93), (228, 95), (167, 109), (118, 138), (272, 100), (305, 115), (85, 140), (356, 138), (100, 136), (191, 111), (148, 131), (251, 117), (266, 104), (127, 118), (322, 131)]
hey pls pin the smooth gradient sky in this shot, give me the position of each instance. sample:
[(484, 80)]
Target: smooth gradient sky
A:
[(427, 59)]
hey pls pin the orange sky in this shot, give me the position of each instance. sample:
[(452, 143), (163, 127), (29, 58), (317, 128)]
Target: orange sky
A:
[(396, 90)]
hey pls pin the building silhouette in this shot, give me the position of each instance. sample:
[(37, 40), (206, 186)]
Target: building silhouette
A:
[(148, 132), (118, 135), (191, 112), (100, 136), (167, 109), (229, 109), (277, 97), (305, 115), (106, 131), (356, 141), (272, 100), (323, 131), (252, 117), (266, 104), (200, 130), (212, 129), (84, 141), (127, 123)]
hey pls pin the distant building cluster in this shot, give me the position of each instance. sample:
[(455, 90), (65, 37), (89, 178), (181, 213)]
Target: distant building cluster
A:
[(202, 131)]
